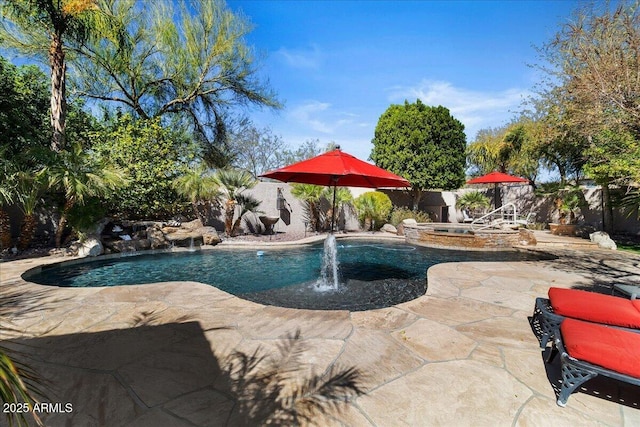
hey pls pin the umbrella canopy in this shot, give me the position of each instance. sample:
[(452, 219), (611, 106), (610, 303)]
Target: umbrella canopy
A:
[(497, 178), (336, 168)]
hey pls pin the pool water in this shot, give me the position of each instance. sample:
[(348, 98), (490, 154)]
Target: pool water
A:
[(372, 274)]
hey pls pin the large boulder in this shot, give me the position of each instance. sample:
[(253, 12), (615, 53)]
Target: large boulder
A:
[(184, 239), (91, 247), (409, 222), (389, 228), (192, 225), (603, 240), (209, 235), (156, 238), (526, 237)]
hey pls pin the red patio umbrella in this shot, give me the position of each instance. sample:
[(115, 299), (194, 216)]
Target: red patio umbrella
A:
[(337, 168), (497, 178)]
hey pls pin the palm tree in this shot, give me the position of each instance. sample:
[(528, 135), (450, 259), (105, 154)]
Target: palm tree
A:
[(473, 201), (199, 186), (80, 175), (247, 204), (232, 182), (311, 195), (35, 26), (28, 194), (7, 193), (343, 198)]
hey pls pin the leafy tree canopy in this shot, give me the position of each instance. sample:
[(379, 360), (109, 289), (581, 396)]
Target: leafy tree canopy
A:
[(424, 144), (153, 157), (184, 59), (23, 108)]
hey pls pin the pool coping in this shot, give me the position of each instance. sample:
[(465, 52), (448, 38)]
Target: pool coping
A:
[(478, 309)]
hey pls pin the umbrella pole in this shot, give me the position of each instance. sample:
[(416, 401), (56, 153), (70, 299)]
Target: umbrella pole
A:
[(333, 209)]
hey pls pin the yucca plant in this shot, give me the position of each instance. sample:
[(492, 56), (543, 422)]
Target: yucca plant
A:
[(231, 183), (247, 204)]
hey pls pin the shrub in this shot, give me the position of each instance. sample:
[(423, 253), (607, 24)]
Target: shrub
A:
[(373, 209), (400, 214), (473, 201)]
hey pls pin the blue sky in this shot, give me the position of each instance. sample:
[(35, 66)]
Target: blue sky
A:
[(338, 65)]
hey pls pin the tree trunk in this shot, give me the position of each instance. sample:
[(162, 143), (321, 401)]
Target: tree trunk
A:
[(58, 93), (230, 210), (63, 222), (27, 231), (417, 196), (607, 209), (5, 230)]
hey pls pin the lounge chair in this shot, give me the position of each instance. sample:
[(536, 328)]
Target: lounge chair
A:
[(632, 291), (583, 305), (465, 217), (589, 349)]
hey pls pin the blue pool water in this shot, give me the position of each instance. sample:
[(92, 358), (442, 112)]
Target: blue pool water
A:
[(372, 274)]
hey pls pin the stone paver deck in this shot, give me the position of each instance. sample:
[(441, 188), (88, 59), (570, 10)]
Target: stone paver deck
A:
[(463, 354)]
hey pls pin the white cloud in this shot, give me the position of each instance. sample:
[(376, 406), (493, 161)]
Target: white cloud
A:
[(309, 59), (321, 117), (310, 114), (475, 109)]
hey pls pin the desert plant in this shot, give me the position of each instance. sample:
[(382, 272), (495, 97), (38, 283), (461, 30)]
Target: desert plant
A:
[(29, 186), (400, 214), (79, 175), (344, 200), (311, 195), (473, 201), (373, 209), (568, 199), (200, 187), (7, 193), (231, 183)]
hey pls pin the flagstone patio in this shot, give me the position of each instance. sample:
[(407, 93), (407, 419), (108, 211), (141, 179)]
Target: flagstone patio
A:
[(463, 354)]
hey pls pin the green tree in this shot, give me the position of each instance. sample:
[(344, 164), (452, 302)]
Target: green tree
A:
[(152, 157), (257, 150), (594, 78), (45, 27), (23, 109), (373, 208), (231, 183), (425, 145), (187, 59), (509, 149), (8, 182)]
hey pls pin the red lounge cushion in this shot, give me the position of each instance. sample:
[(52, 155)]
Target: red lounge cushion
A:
[(615, 349), (595, 307)]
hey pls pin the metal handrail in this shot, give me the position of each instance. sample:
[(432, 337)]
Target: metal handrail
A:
[(505, 218)]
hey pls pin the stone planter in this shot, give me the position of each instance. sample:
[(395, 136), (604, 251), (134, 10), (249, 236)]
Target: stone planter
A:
[(563, 229)]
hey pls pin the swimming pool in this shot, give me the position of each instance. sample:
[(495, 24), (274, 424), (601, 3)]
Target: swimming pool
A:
[(373, 273)]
